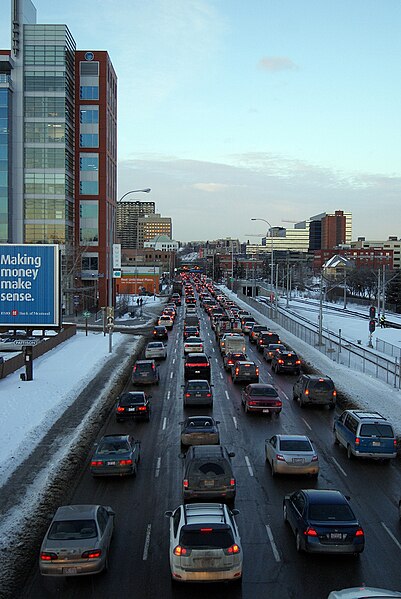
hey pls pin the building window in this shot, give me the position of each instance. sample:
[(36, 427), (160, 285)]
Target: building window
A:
[(88, 188), (89, 92), (89, 114), (90, 263), (89, 140), (88, 222), (89, 68)]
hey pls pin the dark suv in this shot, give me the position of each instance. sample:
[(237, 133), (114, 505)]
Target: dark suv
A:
[(315, 390), (285, 361), (208, 474), (145, 372), (266, 338), (197, 366)]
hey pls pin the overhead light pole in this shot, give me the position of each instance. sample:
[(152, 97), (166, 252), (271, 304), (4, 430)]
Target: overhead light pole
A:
[(272, 260), (110, 308)]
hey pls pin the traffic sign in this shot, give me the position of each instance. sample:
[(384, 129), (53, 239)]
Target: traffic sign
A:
[(116, 274), (26, 341), (86, 314)]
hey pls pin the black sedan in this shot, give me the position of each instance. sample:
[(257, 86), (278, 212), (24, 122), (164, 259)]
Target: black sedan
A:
[(197, 366), (191, 331), (133, 404), (160, 332), (116, 455), (323, 522), (198, 392)]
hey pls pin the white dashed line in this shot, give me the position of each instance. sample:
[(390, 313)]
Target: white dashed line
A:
[(159, 461), (226, 392), (221, 376), (248, 463), (212, 348), (171, 374), (164, 423), (306, 423), (388, 531), (168, 394), (147, 543), (235, 422), (173, 360), (216, 361), (272, 543), (339, 467)]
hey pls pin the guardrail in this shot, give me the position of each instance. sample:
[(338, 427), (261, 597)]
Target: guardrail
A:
[(338, 349)]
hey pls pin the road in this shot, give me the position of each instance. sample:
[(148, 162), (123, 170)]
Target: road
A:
[(272, 567)]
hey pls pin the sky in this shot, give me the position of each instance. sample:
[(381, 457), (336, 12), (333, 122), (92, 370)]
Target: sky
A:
[(227, 110)]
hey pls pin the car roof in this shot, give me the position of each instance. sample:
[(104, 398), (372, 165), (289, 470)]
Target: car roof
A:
[(206, 451), (196, 355), (244, 362), (261, 385), (199, 418), (325, 496), (317, 377), (137, 394), (204, 513), (76, 512), (193, 339), (198, 380), (292, 437), (144, 362), (375, 416), (115, 437)]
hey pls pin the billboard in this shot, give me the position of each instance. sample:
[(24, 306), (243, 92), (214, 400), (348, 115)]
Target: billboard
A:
[(29, 285)]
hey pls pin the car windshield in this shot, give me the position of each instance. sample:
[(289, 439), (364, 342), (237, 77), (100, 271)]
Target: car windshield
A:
[(263, 391), (321, 385), (131, 398), (113, 446), (331, 513), (206, 537), (198, 386), (72, 529), (295, 445), (377, 430)]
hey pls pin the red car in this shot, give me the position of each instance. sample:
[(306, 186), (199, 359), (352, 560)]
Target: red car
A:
[(260, 397)]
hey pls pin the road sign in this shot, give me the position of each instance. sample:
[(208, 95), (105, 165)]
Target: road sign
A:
[(26, 341), (116, 274), (86, 314)]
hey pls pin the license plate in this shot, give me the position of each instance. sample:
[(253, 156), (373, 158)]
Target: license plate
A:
[(70, 570), (197, 371), (111, 463), (198, 395), (131, 409), (298, 460), (376, 443), (209, 483), (265, 411), (336, 536)]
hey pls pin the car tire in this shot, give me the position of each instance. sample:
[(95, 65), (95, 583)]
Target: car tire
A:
[(336, 440), (246, 408), (294, 397), (134, 471), (349, 452), (285, 517), (272, 470), (301, 403), (298, 544)]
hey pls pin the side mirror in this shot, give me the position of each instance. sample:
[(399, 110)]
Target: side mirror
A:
[(110, 511), (231, 454), (235, 512), (217, 421), (181, 456), (168, 514)]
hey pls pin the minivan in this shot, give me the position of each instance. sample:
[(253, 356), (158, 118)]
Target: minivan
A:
[(365, 435)]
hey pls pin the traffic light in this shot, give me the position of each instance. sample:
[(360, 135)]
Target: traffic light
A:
[(372, 326), (372, 312)]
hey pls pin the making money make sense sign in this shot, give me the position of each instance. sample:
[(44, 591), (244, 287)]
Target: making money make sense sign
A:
[(29, 285)]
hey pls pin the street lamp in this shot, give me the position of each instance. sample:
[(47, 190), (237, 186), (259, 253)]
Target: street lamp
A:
[(111, 241), (271, 262)]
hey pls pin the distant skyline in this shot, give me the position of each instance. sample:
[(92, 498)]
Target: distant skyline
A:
[(232, 110)]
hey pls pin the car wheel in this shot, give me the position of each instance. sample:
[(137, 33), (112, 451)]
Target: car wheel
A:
[(272, 469), (336, 441), (285, 517), (294, 397), (298, 542), (349, 452), (246, 408), (332, 406), (301, 403), (134, 471), (106, 563)]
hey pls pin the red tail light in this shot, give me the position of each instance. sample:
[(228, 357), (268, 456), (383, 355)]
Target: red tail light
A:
[(120, 409), (47, 556), (257, 370), (306, 391), (231, 550), (280, 361), (96, 463), (208, 395), (187, 395), (236, 370), (180, 551), (142, 409), (92, 554), (135, 368), (280, 457), (310, 532), (232, 482), (357, 440), (206, 529), (125, 462), (334, 393), (185, 483), (359, 533), (395, 442), (297, 361)]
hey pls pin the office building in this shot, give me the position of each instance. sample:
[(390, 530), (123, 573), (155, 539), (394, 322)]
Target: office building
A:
[(128, 214), (150, 226)]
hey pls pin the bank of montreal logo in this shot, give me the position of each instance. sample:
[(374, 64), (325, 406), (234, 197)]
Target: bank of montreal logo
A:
[(14, 312), (89, 56)]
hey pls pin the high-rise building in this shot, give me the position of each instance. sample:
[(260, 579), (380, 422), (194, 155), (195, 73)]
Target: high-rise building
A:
[(61, 106), (151, 226), (128, 214), (333, 229)]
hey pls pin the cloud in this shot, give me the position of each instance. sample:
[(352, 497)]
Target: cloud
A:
[(210, 187), (273, 64)]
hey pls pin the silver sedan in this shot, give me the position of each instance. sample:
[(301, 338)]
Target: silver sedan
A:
[(291, 454)]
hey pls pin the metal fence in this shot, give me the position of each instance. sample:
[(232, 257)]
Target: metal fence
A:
[(388, 348), (335, 347)]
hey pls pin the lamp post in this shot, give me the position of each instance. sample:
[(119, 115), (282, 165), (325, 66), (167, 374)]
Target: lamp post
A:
[(271, 261), (154, 266), (110, 315)]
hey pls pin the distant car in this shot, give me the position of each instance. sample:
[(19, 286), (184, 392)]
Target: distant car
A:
[(255, 332), (166, 320), (247, 326), (156, 350), (133, 405), (145, 372), (198, 392), (266, 338), (269, 350), (200, 430), (363, 592), (191, 332), (205, 544), (231, 358), (208, 474), (262, 398), (77, 541), (190, 309), (176, 299), (197, 366), (285, 361), (193, 345), (323, 522), (313, 389), (160, 332), (116, 455), (245, 371), (291, 454)]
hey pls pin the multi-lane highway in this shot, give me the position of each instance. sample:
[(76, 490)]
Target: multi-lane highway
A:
[(273, 569)]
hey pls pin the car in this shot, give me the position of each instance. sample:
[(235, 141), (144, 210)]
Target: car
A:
[(159, 332), (176, 299), (190, 309), (193, 345), (269, 350), (232, 357), (198, 392), (200, 430), (265, 339), (156, 349), (261, 398), (169, 312), (313, 389), (116, 455), (323, 522), (247, 326), (291, 454), (145, 372), (191, 331), (208, 474), (365, 435), (166, 320), (77, 541), (245, 371), (255, 332), (205, 545), (364, 593), (197, 365), (285, 361), (133, 405)]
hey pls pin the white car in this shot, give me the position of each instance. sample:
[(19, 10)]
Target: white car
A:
[(193, 345), (291, 454), (166, 321), (205, 545), (363, 593), (190, 310), (156, 350)]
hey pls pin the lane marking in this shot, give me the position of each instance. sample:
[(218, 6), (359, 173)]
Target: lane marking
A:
[(164, 423), (212, 348), (306, 423), (226, 392), (159, 461), (235, 422), (248, 463), (147, 543), (391, 535), (216, 361), (221, 376), (171, 375), (286, 396), (168, 394), (339, 467), (272, 543), (173, 360)]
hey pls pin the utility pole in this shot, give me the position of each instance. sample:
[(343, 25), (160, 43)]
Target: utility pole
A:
[(378, 296), (345, 289), (320, 328)]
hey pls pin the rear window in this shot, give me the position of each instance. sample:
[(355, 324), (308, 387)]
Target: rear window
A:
[(198, 360), (212, 468), (331, 513), (295, 445), (377, 430), (127, 399), (147, 367), (155, 345), (110, 446), (264, 391), (269, 337), (72, 529), (248, 367), (206, 537), (198, 386), (321, 385)]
